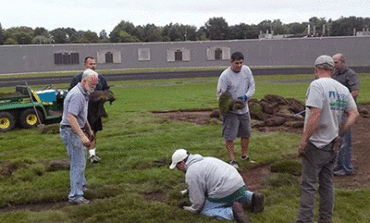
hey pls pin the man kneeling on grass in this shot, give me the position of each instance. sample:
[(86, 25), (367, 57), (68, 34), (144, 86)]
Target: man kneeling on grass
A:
[(216, 189)]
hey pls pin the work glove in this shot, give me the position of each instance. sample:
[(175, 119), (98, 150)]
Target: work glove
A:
[(243, 98)]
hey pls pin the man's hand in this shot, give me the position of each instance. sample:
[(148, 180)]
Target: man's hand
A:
[(91, 135), (188, 208), (337, 143), (302, 148), (85, 141), (184, 192)]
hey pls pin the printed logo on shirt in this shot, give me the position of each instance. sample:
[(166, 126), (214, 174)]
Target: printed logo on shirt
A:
[(337, 101)]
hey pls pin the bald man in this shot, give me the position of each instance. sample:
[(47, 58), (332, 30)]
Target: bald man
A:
[(348, 78)]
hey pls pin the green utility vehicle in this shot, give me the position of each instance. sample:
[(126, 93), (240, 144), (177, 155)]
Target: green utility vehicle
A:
[(19, 108)]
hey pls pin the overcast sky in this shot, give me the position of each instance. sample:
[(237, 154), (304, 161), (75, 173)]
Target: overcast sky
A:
[(96, 15)]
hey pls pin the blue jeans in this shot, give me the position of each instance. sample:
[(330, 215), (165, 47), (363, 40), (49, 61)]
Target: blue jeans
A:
[(345, 154), (224, 210), (77, 158)]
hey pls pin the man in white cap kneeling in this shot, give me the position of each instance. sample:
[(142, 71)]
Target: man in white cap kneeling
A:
[(216, 188)]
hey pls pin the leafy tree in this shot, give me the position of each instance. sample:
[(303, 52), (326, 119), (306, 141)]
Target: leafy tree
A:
[(10, 41), (278, 27), (88, 37), (149, 33), (40, 31), (265, 25), (125, 37), (2, 35), (173, 32), (103, 37), (296, 28), (41, 40), (119, 33), (22, 34), (190, 32), (202, 34), (345, 26), (72, 35), (317, 25), (59, 35), (243, 31), (217, 29)]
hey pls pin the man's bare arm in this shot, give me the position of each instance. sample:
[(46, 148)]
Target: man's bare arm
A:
[(76, 129), (310, 128)]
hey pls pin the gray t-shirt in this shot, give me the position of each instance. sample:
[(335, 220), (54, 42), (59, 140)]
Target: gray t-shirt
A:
[(237, 84), (334, 99), (76, 103)]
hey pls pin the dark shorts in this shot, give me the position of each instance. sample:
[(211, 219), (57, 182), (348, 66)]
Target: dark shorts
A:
[(234, 126)]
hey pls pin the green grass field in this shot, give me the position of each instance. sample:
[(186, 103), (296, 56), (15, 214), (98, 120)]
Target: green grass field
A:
[(136, 148)]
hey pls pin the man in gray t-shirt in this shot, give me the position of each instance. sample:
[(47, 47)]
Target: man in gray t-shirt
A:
[(326, 102), (237, 81)]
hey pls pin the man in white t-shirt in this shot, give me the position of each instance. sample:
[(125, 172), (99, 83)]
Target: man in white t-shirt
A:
[(327, 101)]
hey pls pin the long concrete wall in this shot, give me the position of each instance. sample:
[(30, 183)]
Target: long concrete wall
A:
[(271, 53)]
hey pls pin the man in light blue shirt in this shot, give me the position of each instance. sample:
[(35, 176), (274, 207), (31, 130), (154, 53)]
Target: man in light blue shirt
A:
[(72, 127)]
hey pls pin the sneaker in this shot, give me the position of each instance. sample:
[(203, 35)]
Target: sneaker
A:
[(80, 200), (84, 188), (94, 159), (246, 158), (257, 202), (239, 214), (234, 164), (336, 168), (341, 173)]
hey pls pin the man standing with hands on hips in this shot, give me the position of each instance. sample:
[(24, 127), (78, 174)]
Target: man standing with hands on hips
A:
[(237, 81), (73, 127)]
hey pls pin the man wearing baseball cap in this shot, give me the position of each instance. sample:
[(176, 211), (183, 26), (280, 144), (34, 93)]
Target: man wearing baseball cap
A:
[(326, 102), (216, 188)]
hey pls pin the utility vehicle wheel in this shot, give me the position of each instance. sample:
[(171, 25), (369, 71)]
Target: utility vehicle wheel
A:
[(7, 121), (29, 118)]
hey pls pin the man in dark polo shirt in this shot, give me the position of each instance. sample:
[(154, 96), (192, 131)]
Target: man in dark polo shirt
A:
[(348, 78)]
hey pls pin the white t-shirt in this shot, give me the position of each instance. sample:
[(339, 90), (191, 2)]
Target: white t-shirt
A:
[(334, 99)]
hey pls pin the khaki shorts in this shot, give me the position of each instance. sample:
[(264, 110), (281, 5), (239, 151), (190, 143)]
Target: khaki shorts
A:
[(234, 125)]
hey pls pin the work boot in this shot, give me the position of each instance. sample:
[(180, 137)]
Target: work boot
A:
[(257, 202), (239, 214)]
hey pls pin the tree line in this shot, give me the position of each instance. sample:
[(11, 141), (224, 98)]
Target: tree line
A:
[(215, 28)]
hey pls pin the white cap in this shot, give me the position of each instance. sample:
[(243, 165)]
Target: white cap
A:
[(178, 156)]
